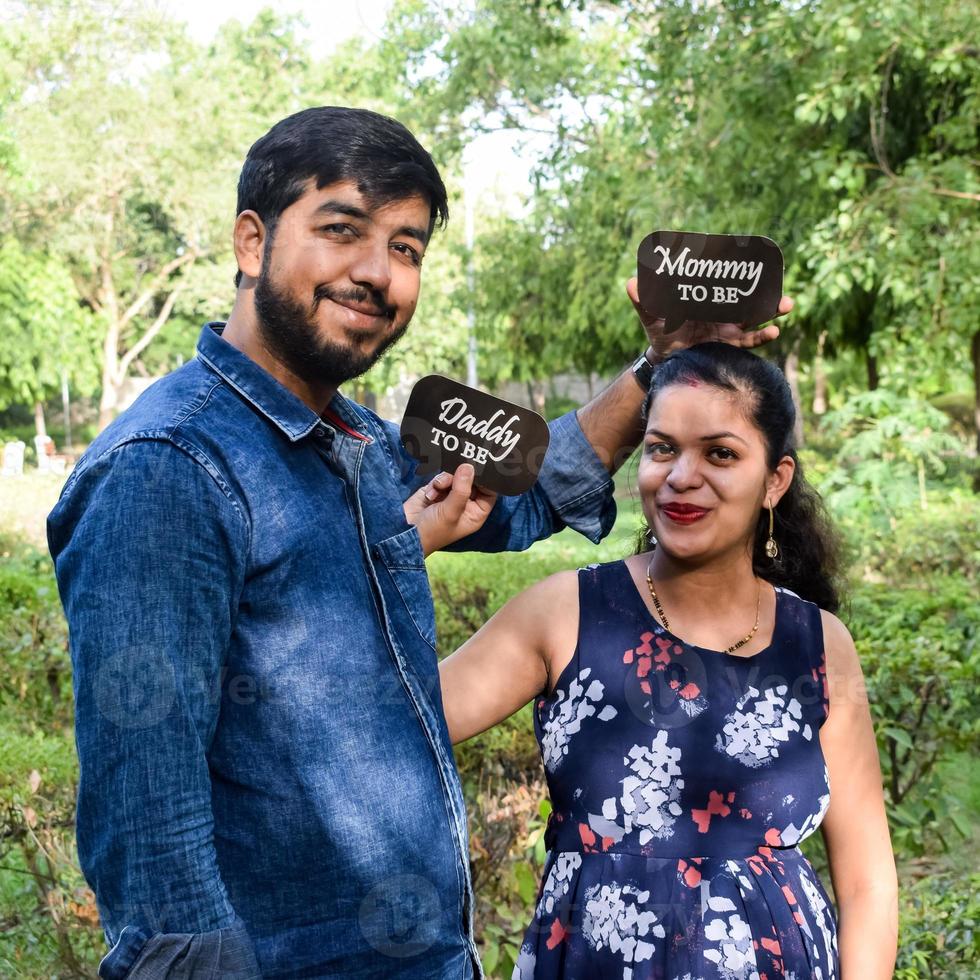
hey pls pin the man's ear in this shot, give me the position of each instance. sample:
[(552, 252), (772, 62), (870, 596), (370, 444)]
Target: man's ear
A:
[(779, 480), (249, 241)]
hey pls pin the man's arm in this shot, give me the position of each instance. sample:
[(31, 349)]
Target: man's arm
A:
[(149, 554)]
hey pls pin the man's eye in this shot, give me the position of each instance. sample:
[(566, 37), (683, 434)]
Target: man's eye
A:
[(408, 252), (339, 229)]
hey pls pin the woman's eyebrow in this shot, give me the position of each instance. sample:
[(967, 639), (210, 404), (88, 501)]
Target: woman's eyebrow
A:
[(723, 435), (711, 438)]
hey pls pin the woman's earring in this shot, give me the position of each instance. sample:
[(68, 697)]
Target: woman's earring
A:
[(772, 549)]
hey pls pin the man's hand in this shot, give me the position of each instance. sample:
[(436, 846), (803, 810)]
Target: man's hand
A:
[(448, 508), (694, 332)]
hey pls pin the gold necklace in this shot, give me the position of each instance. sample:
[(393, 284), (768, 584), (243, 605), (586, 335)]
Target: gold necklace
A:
[(663, 617)]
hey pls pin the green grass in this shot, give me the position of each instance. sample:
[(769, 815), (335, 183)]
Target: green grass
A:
[(24, 505)]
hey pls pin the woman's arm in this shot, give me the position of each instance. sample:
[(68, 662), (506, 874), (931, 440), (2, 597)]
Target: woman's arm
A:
[(513, 657), (862, 865)]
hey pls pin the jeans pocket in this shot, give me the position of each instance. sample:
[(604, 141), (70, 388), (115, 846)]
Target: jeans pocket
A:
[(117, 963), (404, 561)]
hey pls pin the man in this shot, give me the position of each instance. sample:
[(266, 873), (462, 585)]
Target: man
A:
[(267, 785)]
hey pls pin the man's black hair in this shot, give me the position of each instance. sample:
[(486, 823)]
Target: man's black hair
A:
[(332, 143)]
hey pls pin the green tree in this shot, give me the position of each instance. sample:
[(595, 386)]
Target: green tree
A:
[(848, 132), (48, 337), (129, 141)]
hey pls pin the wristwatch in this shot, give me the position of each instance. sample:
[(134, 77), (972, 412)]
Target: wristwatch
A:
[(643, 369)]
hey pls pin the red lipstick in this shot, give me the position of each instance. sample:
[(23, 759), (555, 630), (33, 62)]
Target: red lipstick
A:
[(684, 513)]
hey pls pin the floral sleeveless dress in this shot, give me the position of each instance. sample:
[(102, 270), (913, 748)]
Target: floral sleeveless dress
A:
[(682, 780)]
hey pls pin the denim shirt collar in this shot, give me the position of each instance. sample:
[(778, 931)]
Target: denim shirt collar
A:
[(278, 404)]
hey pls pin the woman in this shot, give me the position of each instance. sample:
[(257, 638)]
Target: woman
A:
[(700, 712)]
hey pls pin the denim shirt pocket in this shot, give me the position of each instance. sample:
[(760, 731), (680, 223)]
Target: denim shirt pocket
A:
[(404, 561)]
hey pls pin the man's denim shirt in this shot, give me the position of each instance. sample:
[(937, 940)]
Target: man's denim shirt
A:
[(267, 785)]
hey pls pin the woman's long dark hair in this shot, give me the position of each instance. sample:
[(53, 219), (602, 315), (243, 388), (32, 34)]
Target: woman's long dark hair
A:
[(808, 546)]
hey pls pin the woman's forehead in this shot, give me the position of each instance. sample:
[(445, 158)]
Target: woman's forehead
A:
[(695, 407)]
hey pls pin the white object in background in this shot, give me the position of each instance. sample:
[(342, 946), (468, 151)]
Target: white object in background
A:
[(44, 446), (13, 458)]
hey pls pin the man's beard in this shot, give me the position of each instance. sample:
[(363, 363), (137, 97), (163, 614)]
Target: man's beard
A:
[(290, 333)]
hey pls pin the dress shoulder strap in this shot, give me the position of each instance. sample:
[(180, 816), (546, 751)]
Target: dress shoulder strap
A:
[(609, 614), (802, 634)]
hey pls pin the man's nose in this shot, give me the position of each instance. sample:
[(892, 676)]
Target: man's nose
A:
[(371, 267)]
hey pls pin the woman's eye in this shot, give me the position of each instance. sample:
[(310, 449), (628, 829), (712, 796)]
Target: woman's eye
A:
[(659, 448), (723, 453)]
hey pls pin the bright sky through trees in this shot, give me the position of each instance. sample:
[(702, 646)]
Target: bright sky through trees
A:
[(494, 160)]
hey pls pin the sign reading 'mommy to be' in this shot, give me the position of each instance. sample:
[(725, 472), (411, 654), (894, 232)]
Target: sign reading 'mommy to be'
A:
[(447, 423), (683, 275)]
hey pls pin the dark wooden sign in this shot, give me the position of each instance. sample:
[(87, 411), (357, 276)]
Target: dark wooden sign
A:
[(719, 278), (447, 423)]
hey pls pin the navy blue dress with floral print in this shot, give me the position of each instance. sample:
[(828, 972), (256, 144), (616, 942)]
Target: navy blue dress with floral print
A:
[(682, 780)]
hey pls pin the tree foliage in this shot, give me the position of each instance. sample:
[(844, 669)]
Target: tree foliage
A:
[(47, 335), (847, 132)]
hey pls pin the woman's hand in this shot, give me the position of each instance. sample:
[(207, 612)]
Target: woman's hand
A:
[(448, 508), (693, 332)]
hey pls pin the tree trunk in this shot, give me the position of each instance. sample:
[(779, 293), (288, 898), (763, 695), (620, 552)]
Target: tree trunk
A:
[(109, 304), (975, 351), (66, 408), (537, 394), (820, 377), (116, 363), (871, 363), (110, 364), (792, 371), (39, 427)]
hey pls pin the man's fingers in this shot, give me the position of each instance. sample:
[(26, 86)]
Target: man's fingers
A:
[(459, 495), (756, 338), (437, 486), (785, 305), (484, 501), (463, 480), (632, 290)]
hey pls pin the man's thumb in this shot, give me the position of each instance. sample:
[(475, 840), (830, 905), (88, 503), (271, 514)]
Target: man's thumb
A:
[(462, 487)]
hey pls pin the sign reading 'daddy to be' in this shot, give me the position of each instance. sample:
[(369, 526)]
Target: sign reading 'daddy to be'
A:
[(719, 278), (447, 423)]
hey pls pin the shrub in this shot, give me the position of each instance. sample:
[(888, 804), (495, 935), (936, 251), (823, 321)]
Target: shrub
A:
[(35, 685), (886, 448), (921, 657), (913, 546), (938, 935), (49, 913)]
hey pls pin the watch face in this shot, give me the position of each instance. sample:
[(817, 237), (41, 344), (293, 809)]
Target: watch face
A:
[(447, 423), (643, 370), (684, 275)]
